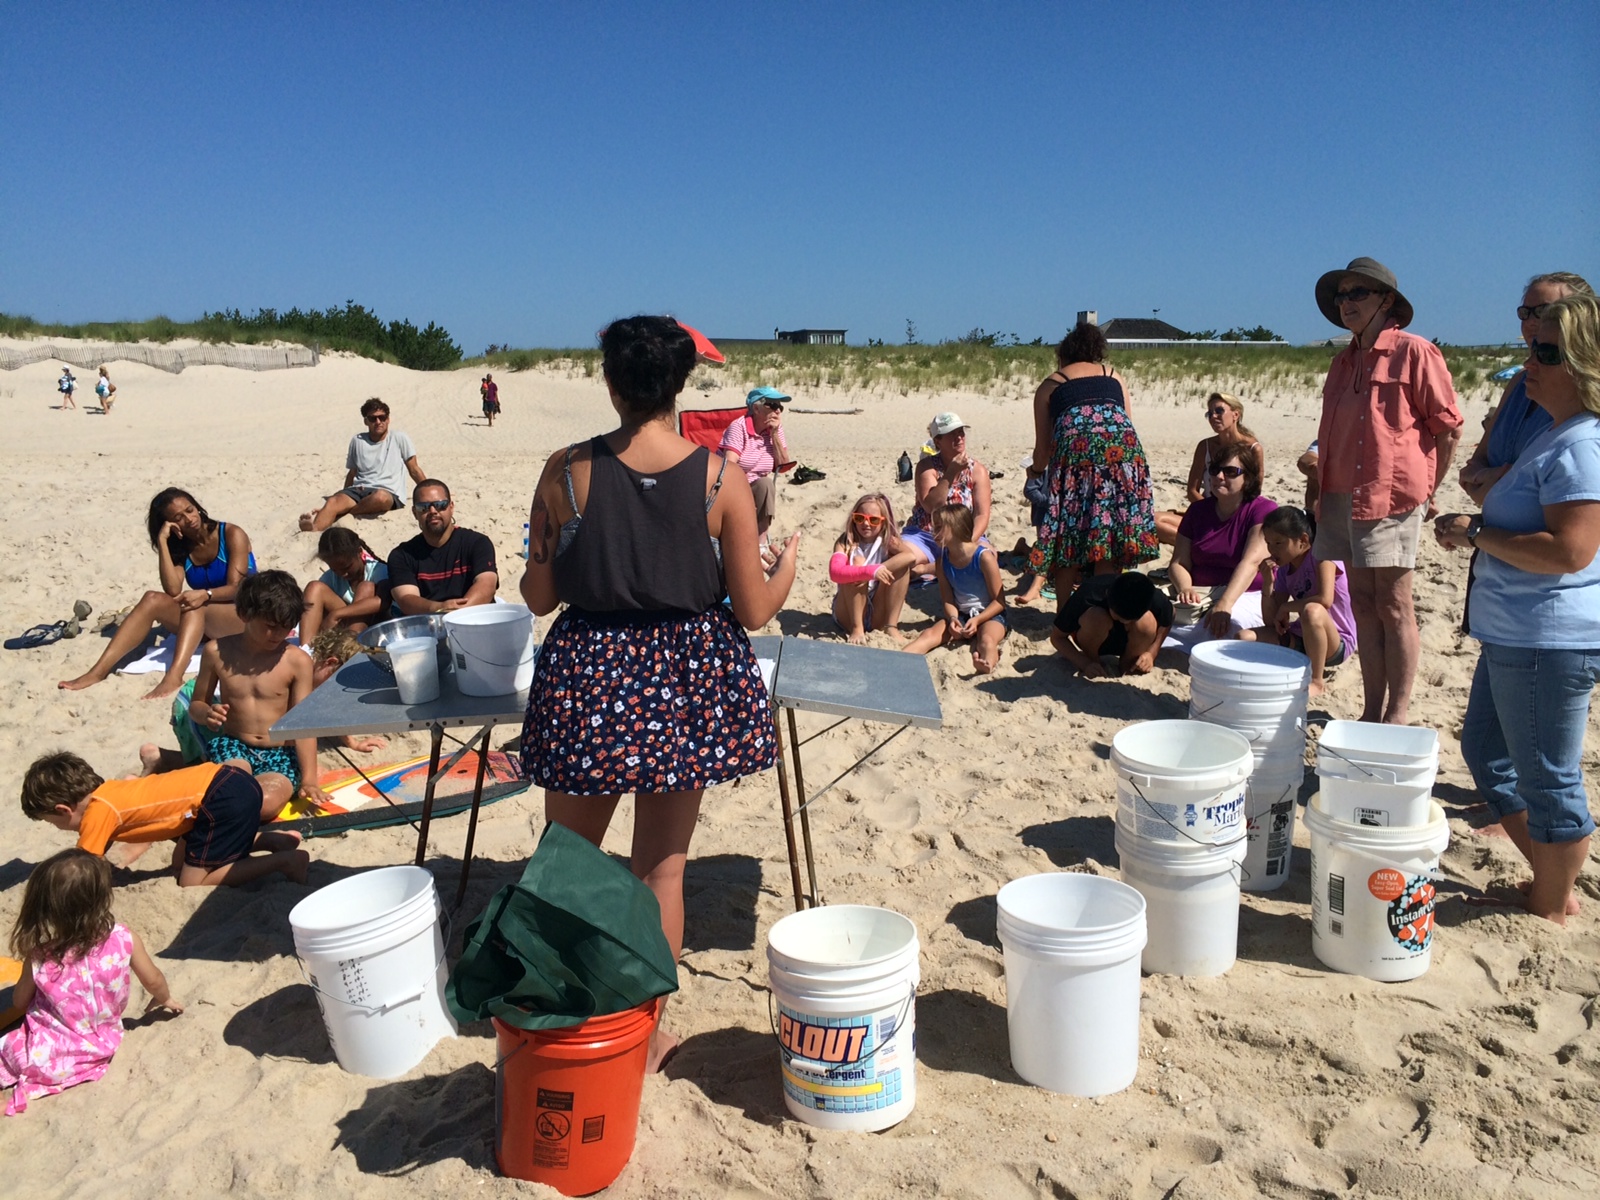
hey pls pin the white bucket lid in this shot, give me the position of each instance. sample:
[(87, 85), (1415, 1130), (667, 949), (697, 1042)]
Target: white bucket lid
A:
[(1251, 663), (1389, 745), (363, 907), (1182, 749)]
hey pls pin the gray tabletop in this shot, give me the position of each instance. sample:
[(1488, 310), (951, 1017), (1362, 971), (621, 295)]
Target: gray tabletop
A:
[(855, 681), (362, 698)]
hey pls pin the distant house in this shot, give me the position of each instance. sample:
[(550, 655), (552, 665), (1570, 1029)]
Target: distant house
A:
[(1141, 329), (811, 337)]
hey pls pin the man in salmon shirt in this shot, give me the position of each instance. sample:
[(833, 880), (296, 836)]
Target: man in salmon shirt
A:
[(1389, 428)]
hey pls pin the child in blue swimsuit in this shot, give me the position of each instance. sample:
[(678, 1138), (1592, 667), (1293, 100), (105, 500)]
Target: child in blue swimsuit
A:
[(970, 586)]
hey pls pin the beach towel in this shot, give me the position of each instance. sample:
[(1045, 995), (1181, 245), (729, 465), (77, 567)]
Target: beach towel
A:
[(576, 937), (156, 657)]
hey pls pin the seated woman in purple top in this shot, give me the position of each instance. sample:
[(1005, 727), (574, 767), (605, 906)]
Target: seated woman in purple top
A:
[(1219, 549)]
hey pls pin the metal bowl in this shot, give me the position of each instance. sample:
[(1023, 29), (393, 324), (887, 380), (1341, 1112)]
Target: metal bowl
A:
[(377, 638)]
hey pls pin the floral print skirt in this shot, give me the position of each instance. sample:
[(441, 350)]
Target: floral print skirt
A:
[(667, 705), (1100, 506)]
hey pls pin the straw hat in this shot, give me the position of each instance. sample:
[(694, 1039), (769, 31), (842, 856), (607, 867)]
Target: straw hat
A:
[(1374, 272)]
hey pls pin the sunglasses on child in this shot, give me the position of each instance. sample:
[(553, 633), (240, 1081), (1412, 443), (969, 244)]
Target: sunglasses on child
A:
[(1547, 353), (1228, 472), (1354, 295), (867, 519), (423, 506)]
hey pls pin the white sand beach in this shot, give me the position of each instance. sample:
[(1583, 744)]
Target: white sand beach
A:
[(1280, 1078)]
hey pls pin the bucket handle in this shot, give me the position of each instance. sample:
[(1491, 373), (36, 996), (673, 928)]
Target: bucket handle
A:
[(811, 1067), (379, 1009), (521, 662), (1175, 829), (1377, 776)]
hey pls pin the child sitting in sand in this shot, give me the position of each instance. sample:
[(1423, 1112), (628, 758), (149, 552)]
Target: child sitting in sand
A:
[(213, 813), (872, 567), (1308, 608), (1125, 615), (969, 585), (333, 648), (261, 677), (352, 593), (74, 986)]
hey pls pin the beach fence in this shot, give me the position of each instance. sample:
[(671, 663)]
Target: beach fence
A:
[(91, 355)]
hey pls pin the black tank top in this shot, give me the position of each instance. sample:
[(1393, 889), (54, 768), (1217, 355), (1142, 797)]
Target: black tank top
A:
[(1085, 391), (641, 548)]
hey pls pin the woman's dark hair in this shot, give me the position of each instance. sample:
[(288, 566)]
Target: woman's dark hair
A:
[(339, 542), (1288, 521), (158, 517), (1084, 344), (646, 360), (273, 595), (66, 908), (1247, 458)]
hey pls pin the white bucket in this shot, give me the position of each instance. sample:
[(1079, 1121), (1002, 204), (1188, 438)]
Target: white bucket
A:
[(1191, 893), (1256, 689), (1372, 894), (1270, 800), (492, 645), (845, 979), (373, 951), (1181, 780), (1380, 775), (1072, 946), (416, 669)]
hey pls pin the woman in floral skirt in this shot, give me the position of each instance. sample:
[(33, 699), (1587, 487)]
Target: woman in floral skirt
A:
[(646, 683), (1100, 518)]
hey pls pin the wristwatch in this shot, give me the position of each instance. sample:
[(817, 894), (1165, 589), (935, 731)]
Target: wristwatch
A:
[(1474, 528)]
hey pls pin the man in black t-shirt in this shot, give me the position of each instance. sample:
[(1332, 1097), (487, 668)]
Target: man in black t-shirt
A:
[(444, 567), (1125, 615)]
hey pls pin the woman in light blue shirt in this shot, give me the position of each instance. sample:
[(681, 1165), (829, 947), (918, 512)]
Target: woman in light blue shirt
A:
[(1536, 609)]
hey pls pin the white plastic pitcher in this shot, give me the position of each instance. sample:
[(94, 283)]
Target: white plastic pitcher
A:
[(1191, 895), (845, 980), (1072, 944), (492, 646), (416, 669), (1271, 798), (373, 952), (1181, 780), (1372, 894)]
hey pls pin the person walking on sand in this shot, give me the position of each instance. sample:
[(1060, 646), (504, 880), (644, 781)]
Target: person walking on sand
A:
[(66, 385), (1389, 428), (106, 390), (490, 390), (376, 466)]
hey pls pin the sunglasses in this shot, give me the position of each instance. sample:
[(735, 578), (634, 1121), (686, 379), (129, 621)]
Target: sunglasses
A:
[(1217, 412), (867, 519), (377, 420), (423, 506), (1228, 472), (1547, 353), (1354, 295), (1531, 312)]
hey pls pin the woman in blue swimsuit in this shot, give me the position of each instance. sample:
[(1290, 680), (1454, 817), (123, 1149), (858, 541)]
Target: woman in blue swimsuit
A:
[(201, 562)]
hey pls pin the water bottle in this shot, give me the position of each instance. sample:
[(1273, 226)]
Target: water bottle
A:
[(524, 539), (905, 467)]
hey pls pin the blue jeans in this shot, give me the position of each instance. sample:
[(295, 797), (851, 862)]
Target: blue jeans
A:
[(1523, 736)]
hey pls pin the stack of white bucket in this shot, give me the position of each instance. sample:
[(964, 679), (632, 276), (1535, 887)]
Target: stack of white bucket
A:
[(1259, 690), (1376, 837), (1180, 836)]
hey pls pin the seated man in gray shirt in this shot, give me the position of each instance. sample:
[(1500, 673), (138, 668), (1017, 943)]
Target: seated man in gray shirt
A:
[(376, 467)]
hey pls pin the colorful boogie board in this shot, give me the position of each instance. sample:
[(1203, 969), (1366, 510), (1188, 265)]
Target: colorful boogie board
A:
[(397, 796), (10, 972)]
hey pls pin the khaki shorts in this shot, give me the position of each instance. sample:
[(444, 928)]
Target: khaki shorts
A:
[(765, 491), (1388, 542)]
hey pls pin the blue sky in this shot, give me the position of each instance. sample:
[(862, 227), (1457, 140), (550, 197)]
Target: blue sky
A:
[(521, 173)]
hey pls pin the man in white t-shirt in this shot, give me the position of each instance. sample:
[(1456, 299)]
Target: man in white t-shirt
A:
[(376, 467)]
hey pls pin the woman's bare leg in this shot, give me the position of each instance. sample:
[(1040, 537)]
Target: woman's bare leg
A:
[(850, 611), (887, 602), (153, 608), (323, 606)]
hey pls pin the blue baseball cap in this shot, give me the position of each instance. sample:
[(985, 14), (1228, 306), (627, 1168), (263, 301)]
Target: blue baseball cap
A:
[(766, 395)]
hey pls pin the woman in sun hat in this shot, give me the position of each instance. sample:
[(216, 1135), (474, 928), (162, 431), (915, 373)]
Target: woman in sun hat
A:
[(1101, 519), (947, 476), (1390, 424), (755, 442)]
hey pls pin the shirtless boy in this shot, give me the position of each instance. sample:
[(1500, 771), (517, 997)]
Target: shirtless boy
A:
[(261, 677)]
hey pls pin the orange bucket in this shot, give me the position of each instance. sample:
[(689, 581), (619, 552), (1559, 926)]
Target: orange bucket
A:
[(567, 1100)]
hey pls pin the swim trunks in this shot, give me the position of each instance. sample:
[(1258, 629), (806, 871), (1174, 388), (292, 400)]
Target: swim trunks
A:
[(226, 824), (263, 760)]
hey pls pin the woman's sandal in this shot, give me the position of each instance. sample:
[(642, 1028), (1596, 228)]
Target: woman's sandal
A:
[(39, 635)]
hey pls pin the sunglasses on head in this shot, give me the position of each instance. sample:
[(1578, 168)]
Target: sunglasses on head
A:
[(1547, 353), (1355, 295), (1531, 312), (423, 506), (1228, 472), (868, 519)]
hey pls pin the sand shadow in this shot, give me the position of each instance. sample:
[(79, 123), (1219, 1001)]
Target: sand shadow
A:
[(793, 623), (1047, 675), (736, 1068), (1280, 938), (286, 1024), (14, 872), (414, 1123), (962, 1031), (1072, 841), (719, 902), (976, 919)]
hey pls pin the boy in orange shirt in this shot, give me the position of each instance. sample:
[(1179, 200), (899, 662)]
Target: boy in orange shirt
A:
[(213, 812)]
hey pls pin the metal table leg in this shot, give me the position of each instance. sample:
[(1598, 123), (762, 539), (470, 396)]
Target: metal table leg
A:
[(805, 813), (437, 734), (472, 821), (788, 814)]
